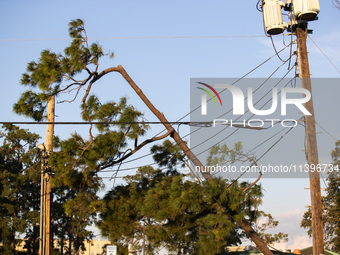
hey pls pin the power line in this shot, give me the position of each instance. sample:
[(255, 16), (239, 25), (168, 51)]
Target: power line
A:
[(326, 131), (267, 139), (102, 123), (273, 44), (136, 37), (271, 147), (324, 54)]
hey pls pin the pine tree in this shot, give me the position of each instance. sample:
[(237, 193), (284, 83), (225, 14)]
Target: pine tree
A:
[(76, 161)]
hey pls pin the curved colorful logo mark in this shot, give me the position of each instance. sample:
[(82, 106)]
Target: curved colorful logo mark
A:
[(213, 98), (204, 99)]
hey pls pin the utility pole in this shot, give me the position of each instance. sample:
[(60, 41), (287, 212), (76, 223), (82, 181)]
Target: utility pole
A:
[(172, 132), (144, 238), (312, 150), (42, 199), (48, 175)]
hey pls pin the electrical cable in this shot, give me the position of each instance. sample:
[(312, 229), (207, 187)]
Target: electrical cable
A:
[(324, 54), (326, 131), (323, 180), (107, 171), (96, 123), (258, 6), (267, 139), (277, 54), (275, 143), (136, 37), (126, 169)]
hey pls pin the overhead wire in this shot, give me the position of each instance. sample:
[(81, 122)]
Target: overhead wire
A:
[(134, 38), (326, 131), (271, 147), (324, 54), (258, 6), (323, 180), (94, 122), (268, 139), (277, 54)]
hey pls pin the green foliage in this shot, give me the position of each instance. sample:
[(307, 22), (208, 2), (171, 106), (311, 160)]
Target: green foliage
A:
[(175, 212), (221, 155), (168, 154), (19, 187), (52, 69), (330, 207), (32, 103), (110, 112)]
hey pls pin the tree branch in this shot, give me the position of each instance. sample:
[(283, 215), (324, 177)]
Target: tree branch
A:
[(112, 163)]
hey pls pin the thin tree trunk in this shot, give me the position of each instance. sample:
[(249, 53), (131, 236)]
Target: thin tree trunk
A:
[(242, 222)]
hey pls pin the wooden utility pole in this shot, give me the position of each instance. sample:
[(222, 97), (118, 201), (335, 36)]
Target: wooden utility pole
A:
[(242, 222), (312, 150), (42, 201), (48, 191)]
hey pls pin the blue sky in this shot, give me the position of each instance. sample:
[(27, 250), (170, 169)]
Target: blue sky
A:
[(162, 67)]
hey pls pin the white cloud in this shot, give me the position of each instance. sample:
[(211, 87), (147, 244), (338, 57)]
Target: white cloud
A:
[(300, 242)]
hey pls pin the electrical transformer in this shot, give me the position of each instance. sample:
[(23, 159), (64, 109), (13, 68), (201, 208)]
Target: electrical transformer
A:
[(305, 9), (272, 17)]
